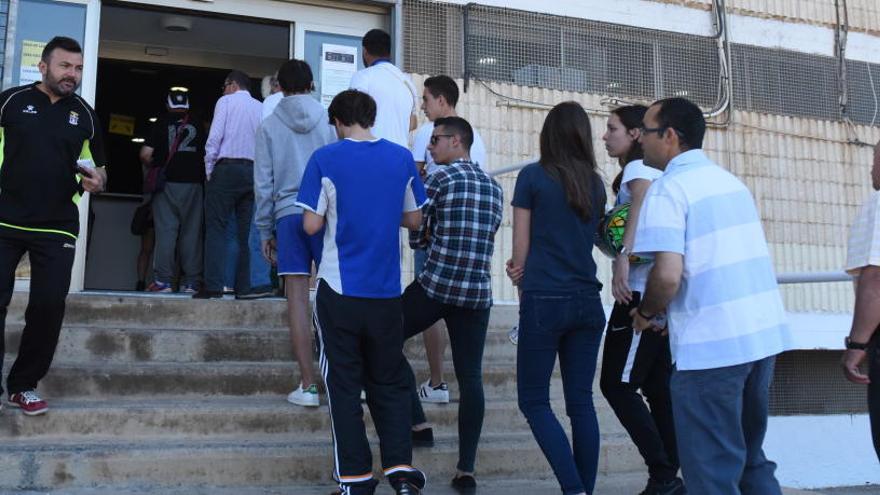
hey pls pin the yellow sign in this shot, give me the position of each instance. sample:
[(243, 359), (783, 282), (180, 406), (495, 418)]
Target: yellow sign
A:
[(121, 124), (29, 71)]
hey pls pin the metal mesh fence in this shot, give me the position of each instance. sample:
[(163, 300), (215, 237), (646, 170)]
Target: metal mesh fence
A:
[(542, 50), (810, 382)]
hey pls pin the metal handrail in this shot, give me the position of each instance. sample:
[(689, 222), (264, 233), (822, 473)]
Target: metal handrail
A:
[(813, 277), (511, 168)]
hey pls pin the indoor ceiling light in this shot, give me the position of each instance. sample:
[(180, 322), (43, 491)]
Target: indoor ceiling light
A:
[(137, 140), (176, 23), (182, 89), (152, 119)]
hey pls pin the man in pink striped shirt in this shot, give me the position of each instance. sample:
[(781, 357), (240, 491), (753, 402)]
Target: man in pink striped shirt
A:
[(229, 166)]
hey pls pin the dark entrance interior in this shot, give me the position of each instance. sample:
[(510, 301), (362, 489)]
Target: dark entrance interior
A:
[(137, 90)]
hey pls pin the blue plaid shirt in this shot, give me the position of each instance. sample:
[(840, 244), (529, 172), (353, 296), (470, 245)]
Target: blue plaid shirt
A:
[(459, 221)]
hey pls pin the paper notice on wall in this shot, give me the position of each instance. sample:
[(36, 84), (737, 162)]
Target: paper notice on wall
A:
[(338, 64), (31, 52)]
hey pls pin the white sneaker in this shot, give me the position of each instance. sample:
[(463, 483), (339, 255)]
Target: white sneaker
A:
[(305, 397), (437, 395)]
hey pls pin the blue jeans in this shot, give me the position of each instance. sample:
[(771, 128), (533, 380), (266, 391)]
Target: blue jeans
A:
[(261, 272), (259, 268), (569, 324), (229, 192), (720, 419)]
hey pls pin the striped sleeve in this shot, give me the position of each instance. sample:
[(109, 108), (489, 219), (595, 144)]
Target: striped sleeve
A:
[(662, 221)]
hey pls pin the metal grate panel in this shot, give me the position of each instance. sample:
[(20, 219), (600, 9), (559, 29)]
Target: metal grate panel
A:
[(541, 50), (811, 382)]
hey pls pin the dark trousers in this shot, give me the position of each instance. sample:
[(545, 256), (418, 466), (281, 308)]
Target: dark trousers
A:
[(51, 259), (361, 344), (230, 190), (720, 421), (633, 362), (467, 338), (874, 392), (567, 324)]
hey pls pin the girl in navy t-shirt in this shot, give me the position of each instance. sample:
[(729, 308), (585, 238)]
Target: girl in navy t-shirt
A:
[(557, 205)]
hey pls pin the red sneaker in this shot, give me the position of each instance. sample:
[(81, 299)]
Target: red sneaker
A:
[(30, 403)]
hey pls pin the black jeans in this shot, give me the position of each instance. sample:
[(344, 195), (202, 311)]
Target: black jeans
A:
[(361, 345), (467, 338), (874, 392), (231, 189), (51, 258), (633, 362)]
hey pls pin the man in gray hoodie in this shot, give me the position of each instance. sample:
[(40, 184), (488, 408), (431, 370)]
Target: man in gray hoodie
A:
[(285, 142)]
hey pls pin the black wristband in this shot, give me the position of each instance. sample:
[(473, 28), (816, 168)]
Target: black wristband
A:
[(643, 315)]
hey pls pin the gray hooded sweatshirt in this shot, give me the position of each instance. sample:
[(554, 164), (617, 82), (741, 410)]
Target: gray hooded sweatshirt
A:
[(285, 142)]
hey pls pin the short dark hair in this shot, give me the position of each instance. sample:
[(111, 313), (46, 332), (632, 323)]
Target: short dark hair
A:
[(443, 86), (458, 127), (295, 76), (377, 43), (62, 42), (684, 117), (352, 107), (240, 78)]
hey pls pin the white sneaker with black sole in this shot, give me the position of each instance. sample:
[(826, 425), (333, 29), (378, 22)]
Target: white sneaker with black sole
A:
[(437, 394)]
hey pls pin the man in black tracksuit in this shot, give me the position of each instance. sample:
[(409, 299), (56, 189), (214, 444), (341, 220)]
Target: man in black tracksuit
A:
[(51, 150)]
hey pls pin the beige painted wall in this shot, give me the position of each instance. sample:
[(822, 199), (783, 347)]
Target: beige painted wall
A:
[(807, 179)]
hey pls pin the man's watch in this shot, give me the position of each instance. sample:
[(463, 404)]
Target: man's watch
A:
[(858, 346), (624, 251)]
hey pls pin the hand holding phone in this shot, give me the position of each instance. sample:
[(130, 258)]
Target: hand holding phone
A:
[(85, 167)]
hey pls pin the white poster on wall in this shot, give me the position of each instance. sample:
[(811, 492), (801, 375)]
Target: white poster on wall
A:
[(338, 64), (29, 71)]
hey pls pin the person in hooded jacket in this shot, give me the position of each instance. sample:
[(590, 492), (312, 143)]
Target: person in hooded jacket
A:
[(285, 141)]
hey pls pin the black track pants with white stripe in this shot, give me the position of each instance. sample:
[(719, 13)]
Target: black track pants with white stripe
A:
[(632, 362), (361, 343)]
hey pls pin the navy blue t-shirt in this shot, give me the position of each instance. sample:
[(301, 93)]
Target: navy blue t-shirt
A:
[(560, 254), (362, 189)]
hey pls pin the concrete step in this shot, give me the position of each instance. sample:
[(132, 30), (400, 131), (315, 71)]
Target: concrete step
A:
[(225, 417), (140, 310), (98, 381), (244, 462), (606, 484), (93, 344)]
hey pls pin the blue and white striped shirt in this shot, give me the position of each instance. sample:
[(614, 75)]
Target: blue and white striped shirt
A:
[(728, 310)]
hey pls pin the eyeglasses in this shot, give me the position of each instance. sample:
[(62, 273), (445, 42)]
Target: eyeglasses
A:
[(227, 83), (436, 137), (659, 130)]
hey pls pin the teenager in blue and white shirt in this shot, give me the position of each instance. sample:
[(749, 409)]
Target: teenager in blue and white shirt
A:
[(362, 189), (714, 277)]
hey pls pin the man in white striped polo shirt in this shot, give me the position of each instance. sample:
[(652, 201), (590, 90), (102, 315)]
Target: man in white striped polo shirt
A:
[(714, 277), (863, 263)]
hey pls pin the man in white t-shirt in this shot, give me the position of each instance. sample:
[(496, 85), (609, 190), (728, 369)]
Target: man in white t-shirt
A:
[(438, 101), (393, 91), (271, 100)]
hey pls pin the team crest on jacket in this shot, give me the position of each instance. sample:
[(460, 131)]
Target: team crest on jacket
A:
[(74, 118)]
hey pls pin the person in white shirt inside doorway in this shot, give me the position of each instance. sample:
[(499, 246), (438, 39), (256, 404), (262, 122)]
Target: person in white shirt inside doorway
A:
[(391, 89)]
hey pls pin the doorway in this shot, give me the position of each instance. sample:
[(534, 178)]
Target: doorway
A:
[(143, 52)]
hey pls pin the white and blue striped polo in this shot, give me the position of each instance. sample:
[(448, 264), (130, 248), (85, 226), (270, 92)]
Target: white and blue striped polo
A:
[(728, 310)]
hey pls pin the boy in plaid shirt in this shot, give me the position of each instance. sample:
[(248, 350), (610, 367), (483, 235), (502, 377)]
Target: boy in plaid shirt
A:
[(459, 222)]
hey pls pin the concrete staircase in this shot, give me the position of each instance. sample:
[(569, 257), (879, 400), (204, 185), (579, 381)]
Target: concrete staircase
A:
[(170, 395)]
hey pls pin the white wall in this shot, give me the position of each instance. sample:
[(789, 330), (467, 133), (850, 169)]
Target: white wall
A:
[(822, 451)]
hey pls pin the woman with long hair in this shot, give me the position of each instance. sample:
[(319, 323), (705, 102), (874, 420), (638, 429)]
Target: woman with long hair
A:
[(557, 204), (637, 361)]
